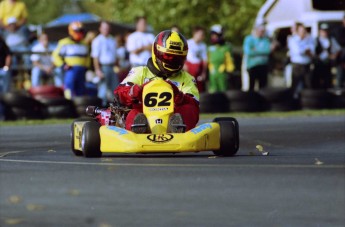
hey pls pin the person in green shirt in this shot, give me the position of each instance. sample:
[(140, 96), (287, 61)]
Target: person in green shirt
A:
[(220, 61)]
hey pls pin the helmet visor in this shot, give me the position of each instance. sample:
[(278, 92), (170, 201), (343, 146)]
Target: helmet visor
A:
[(172, 61)]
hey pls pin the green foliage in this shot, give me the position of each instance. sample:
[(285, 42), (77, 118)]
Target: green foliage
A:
[(236, 16), (43, 11)]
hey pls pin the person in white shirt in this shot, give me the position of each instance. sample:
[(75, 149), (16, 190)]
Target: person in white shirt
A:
[(103, 53), (301, 49), (139, 44), (327, 50), (196, 63), (42, 62)]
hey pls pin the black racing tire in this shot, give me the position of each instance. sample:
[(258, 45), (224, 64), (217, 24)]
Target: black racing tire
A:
[(229, 137), (87, 101), (77, 152), (56, 101), (61, 112), (30, 114), (213, 103), (91, 141), (241, 101), (338, 100), (274, 95), (20, 100)]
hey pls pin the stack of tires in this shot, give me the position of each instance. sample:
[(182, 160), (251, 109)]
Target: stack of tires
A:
[(338, 100), (316, 99), (53, 99), (82, 102), (22, 106), (279, 99), (241, 101), (214, 103)]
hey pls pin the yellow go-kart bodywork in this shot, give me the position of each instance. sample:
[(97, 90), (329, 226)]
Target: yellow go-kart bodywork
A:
[(92, 140)]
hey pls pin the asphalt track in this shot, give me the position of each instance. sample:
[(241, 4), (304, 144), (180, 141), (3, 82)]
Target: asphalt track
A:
[(300, 183)]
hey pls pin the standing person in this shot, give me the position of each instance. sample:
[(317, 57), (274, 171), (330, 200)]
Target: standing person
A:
[(257, 49), (220, 61), (42, 62), (122, 57), (302, 48), (5, 76), (326, 52), (103, 53), (5, 64), (139, 43), (168, 56), (341, 57), (72, 55), (196, 63), (14, 9)]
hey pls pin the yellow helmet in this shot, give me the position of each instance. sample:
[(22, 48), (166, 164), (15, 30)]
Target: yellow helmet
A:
[(76, 30), (169, 52)]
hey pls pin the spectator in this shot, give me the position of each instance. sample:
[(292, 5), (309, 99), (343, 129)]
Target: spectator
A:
[(301, 47), (72, 55), (175, 28), (326, 52), (196, 63), (341, 57), (122, 57), (139, 44), (5, 63), (257, 48), (14, 9), (42, 62), (104, 59), (17, 42), (220, 61)]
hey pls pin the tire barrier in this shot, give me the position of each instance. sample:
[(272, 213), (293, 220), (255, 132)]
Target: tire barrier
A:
[(82, 102), (279, 99), (214, 103), (316, 99), (241, 101), (46, 91), (21, 106), (59, 107), (40, 104)]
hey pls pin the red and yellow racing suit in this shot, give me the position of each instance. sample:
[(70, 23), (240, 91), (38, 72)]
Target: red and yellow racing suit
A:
[(189, 108)]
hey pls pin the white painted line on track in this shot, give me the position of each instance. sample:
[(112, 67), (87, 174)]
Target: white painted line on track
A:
[(177, 164), (4, 154)]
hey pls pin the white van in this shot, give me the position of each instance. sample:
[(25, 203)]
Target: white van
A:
[(280, 15)]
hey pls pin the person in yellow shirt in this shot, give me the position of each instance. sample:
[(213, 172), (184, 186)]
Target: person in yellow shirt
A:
[(72, 55), (13, 9)]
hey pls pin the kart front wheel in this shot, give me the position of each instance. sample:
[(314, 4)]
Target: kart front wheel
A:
[(90, 140), (229, 136), (76, 152)]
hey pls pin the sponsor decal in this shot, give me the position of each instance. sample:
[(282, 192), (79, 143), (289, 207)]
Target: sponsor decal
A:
[(159, 121), (159, 109), (201, 128), (175, 43), (177, 84), (163, 138), (121, 131)]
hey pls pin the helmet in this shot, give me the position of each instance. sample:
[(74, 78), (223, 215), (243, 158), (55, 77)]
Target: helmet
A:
[(217, 34), (169, 52), (76, 30)]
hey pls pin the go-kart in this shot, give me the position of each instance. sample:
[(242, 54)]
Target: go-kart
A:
[(94, 137)]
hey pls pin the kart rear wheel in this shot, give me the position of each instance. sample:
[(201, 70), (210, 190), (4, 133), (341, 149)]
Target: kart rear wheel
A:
[(77, 152), (90, 140), (229, 136)]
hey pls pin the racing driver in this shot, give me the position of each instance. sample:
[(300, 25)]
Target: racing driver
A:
[(169, 53)]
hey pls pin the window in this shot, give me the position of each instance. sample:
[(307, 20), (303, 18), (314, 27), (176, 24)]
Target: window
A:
[(333, 5)]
